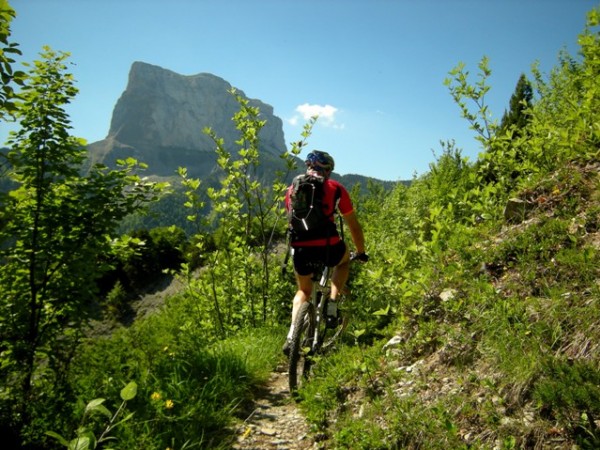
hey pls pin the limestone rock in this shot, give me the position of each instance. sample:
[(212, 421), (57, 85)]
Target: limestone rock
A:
[(160, 117)]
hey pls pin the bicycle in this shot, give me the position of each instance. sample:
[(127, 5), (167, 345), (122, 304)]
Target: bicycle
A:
[(310, 331)]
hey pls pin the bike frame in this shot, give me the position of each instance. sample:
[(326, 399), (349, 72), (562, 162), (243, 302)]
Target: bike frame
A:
[(319, 300), (308, 338)]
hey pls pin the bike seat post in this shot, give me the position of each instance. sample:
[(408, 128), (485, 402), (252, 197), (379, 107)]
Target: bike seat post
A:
[(316, 268), (325, 276)]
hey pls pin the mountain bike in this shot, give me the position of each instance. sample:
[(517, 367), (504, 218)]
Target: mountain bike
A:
[(311, 337)]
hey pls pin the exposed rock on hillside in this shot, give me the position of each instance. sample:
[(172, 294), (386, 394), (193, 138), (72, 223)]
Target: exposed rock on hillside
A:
[(160, 117)]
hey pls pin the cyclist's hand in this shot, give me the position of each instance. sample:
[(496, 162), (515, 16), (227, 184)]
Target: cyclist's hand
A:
[(362, 257)]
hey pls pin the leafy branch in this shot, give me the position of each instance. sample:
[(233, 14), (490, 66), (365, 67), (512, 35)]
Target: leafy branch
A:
[(462, 92), (86, 438)]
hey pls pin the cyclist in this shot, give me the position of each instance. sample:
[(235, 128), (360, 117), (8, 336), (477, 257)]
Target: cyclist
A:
[(329, 248)]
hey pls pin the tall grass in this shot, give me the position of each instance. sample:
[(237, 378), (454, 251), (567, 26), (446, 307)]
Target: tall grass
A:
[(189, 387)]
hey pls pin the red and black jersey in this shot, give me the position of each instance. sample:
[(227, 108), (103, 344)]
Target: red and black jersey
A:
[(335, 196)]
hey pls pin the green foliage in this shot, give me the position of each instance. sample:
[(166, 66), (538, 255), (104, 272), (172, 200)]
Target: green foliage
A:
[(166, 211), (569, 392), (465, 94), (56, 226), (499, 316), (140, 261), (247, 216), (117, 301), (188, 385), (8, 76), (566, 115), (515, 119), (496, 322), (86, 438), (157, 250)]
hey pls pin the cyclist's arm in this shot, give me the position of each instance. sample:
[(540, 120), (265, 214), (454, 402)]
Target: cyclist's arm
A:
[(355, 231)]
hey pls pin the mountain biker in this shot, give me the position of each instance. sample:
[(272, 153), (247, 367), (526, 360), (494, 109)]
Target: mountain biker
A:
[(329, 248)]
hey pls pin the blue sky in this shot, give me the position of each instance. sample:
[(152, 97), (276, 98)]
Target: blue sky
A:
[(372, 69)]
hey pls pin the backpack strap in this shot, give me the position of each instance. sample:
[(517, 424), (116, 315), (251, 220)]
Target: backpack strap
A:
[(288, 251), (336, 198)]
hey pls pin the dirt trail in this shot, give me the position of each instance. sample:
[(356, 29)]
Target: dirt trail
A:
[(274, 420)]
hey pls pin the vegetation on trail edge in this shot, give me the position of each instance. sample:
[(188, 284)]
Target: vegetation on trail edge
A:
[(475, 323)]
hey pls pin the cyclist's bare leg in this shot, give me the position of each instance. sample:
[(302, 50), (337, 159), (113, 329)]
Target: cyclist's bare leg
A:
[(304, 283), (340, 275)]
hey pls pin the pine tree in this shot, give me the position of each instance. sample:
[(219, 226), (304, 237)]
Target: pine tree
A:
[(516, 118)]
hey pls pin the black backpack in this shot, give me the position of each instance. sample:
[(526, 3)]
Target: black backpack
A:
[(307, 218)]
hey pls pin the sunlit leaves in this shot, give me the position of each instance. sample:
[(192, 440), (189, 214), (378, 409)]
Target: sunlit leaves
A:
[(9, 78), (246, 215), (55, 239), (467, 95)]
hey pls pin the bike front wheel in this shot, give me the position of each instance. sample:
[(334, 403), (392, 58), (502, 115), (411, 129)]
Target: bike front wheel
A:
[(301, 346)]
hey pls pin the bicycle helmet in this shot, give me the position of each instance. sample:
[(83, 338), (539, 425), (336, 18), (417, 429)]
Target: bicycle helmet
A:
[(319, 160)]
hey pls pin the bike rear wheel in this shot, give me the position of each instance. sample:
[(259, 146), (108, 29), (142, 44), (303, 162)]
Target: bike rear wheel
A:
[(334, 336), (301, 346), (328, 337)]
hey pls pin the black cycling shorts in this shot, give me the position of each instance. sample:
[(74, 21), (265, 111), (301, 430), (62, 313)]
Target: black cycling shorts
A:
[(305, 258)]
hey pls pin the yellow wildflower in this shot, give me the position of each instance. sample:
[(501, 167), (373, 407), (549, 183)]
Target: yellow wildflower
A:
[(156, 396), (169, 404)]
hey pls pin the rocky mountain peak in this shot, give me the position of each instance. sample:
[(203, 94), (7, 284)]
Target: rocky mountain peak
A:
[(160, 117)]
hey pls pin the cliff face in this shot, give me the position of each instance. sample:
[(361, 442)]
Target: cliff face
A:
[(160, 117)]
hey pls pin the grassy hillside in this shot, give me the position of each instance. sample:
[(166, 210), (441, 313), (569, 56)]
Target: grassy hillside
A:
[(492, 342)]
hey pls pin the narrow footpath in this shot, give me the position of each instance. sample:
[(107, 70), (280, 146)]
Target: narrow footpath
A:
[(275, 422)]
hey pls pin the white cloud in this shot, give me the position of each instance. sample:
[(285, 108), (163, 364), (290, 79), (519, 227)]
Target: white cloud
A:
[(326, 115)]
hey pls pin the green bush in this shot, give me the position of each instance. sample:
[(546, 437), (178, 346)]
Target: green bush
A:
[(569, 392)]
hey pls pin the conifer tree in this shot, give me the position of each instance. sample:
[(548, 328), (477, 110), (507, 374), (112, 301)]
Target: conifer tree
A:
[(516, 117)]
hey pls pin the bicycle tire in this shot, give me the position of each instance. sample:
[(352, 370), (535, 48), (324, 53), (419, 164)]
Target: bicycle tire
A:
[(301, 345), (320, 324), (335, 335)]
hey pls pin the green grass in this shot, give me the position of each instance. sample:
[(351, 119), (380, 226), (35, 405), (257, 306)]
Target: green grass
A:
[(189, 390)]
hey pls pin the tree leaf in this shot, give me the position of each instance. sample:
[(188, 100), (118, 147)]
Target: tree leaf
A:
[(58, 437), (129, 391), (80, 443), (96, 405), (382, 312)]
